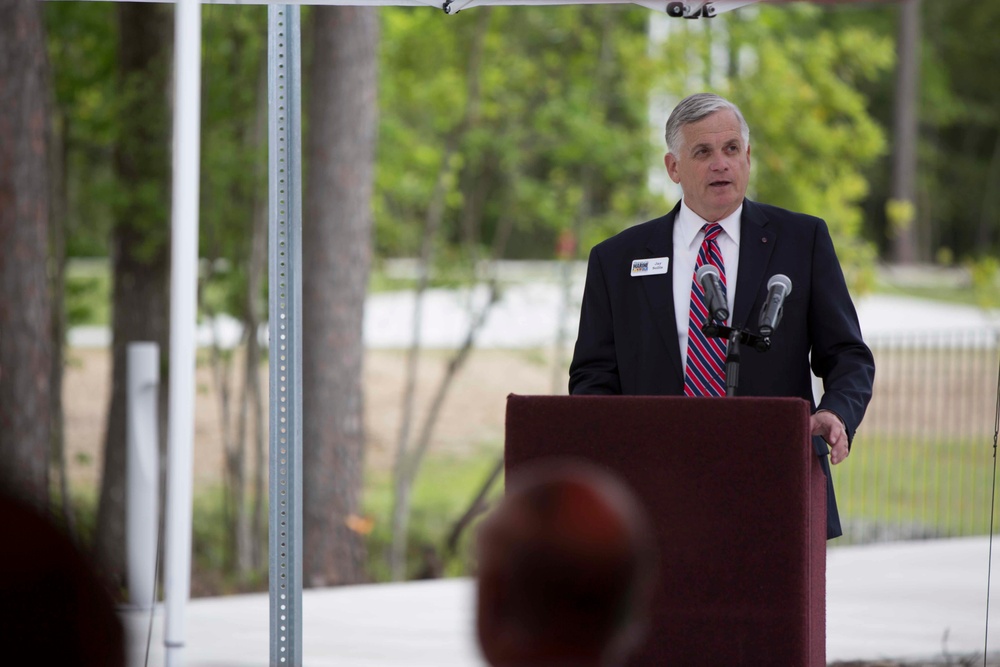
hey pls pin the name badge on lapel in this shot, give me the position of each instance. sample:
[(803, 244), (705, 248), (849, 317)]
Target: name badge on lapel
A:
[(649, 267)]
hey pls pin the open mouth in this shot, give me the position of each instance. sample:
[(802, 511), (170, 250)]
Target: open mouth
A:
[(719, 184)]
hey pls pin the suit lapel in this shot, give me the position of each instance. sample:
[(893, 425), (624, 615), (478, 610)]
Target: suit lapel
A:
[(757, 241), (660, 291)]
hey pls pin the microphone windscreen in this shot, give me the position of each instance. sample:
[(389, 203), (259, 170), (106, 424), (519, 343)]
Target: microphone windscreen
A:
[(706, 269), (780, 279)]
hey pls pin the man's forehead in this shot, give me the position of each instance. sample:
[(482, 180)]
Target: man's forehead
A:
[(719, 127), (715, 138)]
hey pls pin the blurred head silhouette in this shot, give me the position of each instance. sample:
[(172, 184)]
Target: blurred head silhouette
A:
[(565, 569), (54, 607)]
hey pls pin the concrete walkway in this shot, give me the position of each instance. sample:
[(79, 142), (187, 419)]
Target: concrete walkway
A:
[(906, 600), (527, 316)]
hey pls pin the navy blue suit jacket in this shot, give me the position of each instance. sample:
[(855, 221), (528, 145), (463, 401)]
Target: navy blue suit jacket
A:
[(627, 342)]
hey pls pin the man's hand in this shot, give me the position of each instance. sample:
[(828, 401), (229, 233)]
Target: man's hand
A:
[(828, 425)]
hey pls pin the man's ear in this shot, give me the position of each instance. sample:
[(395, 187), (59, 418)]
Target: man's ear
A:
[(672, 168)]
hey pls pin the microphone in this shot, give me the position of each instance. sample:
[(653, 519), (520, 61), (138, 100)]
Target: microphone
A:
[(715, 298), (778, 287)]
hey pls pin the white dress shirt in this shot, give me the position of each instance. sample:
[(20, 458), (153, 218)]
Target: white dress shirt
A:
[(687, 242)]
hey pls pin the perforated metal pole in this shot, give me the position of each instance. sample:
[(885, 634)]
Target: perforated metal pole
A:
[(285, 320)]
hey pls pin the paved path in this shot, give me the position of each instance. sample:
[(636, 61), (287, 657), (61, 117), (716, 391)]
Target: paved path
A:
[(527, 316), (901, 600), (910, 599)]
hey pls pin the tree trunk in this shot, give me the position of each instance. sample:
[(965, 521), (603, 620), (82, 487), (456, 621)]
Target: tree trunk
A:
[(902, 213), (233, 444), (337, 229), (140, 243), (255, 312), (57, 289), (407, 464), (25, 321), (402, 477), (990, 209)]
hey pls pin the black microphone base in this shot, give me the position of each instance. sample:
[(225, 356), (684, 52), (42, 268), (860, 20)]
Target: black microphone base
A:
[(760, 343)]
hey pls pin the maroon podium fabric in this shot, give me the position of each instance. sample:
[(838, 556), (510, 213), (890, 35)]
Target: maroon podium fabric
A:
[(738, 502)]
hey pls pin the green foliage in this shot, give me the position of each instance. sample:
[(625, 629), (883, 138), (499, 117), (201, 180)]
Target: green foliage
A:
[(140, 201), (960, 151), (110, 130), (985, 274), (900, 214), (234, 149), (442, 492), (560, 118), (797, 83), (212, 549), (440, 498), (83, 507), (561, 126), (88, 294), (96, 110), (82, 38), (931, 487), (957, 203), (935, 292)]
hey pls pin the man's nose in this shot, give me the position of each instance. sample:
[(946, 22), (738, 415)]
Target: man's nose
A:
[(718, 164)]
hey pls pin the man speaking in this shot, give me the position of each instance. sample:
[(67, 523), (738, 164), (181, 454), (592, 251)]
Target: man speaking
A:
[(645, 297)]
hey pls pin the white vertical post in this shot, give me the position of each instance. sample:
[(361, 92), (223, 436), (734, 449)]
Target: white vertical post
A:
[(183, 314), (142, 471)]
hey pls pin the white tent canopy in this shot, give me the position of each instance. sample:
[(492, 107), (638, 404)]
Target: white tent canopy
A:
[(688, 8)]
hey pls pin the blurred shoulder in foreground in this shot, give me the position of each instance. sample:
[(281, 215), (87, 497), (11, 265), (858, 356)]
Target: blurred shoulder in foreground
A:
[(54, 606), (566, 566)]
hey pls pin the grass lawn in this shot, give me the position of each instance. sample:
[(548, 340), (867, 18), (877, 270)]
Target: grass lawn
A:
[(897, 488)]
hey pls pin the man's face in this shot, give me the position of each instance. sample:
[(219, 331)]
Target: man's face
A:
[(712, 165)]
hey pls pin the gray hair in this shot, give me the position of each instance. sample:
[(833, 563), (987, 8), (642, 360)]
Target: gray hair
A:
[(692, 109)]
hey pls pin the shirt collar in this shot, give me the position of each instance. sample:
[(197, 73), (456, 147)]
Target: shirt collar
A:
[(690, 223)]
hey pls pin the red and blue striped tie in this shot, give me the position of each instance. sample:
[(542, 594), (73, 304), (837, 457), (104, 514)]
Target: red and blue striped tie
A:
[(706, 356)]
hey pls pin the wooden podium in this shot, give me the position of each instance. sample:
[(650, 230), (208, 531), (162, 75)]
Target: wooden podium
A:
[(737, 498)]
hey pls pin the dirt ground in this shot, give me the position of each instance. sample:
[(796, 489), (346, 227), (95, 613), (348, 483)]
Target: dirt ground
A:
[(472, 418)]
